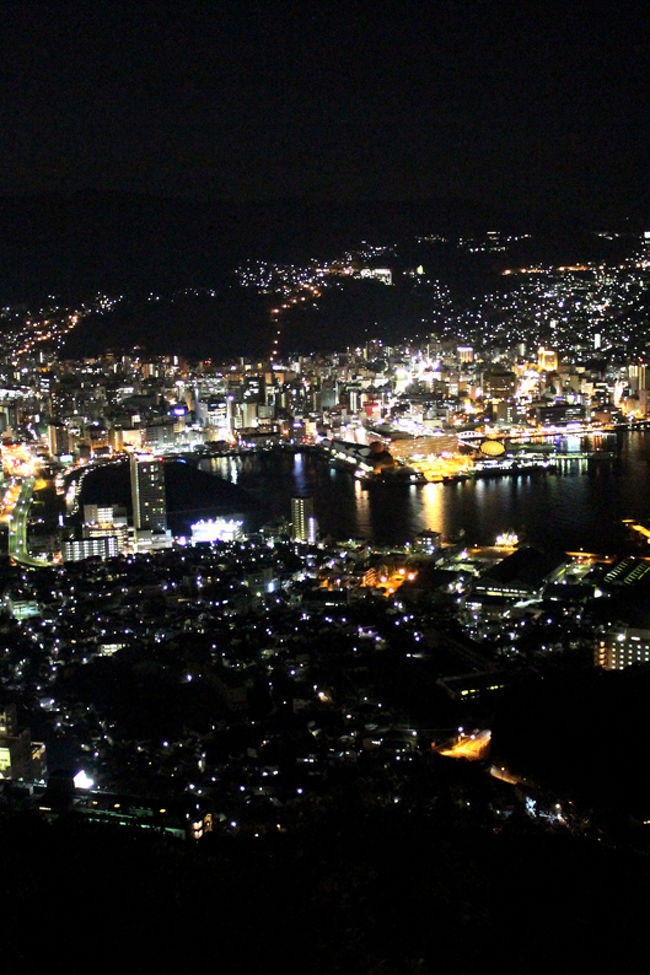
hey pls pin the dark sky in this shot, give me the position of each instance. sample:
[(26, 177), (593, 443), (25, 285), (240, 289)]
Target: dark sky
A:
[(544, 104)]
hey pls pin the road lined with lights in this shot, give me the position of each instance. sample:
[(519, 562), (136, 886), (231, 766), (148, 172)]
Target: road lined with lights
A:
[(472, 747), (17, 520), (303, 292)]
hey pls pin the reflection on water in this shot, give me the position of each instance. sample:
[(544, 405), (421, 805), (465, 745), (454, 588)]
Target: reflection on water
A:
[(226, 467), (581, 505), (362, 509), (300, 478), (432, 500)]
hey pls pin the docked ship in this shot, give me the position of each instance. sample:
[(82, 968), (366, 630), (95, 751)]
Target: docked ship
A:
[(369, 462)]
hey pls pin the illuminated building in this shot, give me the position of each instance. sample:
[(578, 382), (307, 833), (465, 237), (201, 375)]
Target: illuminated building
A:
[(491, 447), (622, 646), (329, 395), (148, 494), (215, 413), (216, 530), (499, 384), (58, 439), (546, 359), (303, 522), (22, 609), (88, 548), (555, 414), (103, 516), (427, 541), (184, 820), (105, 521), (637, 378), (470, 687), (382, 274), (20, 758), (521, 575)]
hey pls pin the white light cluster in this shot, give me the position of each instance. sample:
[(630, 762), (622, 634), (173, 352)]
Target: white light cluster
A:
[(216, 530)]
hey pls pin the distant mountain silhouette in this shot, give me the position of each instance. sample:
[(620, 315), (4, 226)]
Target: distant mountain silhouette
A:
[(91, 240), (198, 326)]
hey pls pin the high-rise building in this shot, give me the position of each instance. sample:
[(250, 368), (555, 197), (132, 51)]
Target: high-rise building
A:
[(303, 522), (148, 494), (58, 438), (216, 414)]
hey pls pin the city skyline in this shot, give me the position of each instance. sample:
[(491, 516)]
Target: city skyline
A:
[(429, 664), (324, 453)]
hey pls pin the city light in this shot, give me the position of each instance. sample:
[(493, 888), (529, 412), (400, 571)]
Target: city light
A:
[(216, 530), (83, 781)]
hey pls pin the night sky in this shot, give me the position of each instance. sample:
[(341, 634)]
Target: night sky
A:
[(542, 105)]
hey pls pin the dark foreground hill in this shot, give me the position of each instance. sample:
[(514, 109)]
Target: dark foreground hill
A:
[(386, 893)]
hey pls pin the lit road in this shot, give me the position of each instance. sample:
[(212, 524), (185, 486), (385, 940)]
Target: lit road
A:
[(472, 747), (502, 773), (301, 293), (17, 545), (9, 499)]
